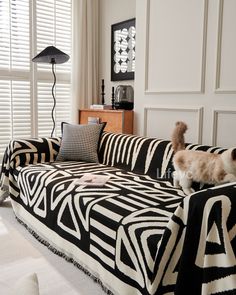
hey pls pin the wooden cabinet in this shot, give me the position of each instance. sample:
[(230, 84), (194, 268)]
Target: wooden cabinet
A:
[(118, 121)]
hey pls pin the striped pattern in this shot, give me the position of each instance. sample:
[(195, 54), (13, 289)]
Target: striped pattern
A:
[(24, 152), (143, 155), (92, 219), (138, 227)]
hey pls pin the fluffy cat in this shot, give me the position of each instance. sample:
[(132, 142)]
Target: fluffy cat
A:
[(200, 166)]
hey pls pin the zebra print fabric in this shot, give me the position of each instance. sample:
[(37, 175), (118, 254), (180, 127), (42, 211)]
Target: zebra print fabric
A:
[(137, 234), (105, 223), (143, 155), (21, 153)]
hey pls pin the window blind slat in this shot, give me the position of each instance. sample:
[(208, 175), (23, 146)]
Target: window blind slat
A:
[(5, 114), (53, 27), (60, 34), (21, 109)]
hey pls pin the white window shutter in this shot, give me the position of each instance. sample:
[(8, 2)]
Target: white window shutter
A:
[(4, 35), (19, 109), (45, 104), (20, 35), (63, 105), (15, 102), (53, 27), (5, 114)]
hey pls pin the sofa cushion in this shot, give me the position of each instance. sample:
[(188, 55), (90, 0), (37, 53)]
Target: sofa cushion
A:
[(80, 142), (144, 155), (105, 223)]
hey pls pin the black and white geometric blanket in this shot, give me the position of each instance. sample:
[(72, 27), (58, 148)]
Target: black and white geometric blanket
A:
[(135, 235), (119, 225), (21, 153)]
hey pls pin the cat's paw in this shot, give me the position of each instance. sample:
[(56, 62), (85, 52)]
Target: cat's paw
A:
[(176, 180), (188, 191), (230, 178), (176, 183)]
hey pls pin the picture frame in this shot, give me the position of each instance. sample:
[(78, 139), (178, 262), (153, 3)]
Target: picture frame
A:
[(123, 37)]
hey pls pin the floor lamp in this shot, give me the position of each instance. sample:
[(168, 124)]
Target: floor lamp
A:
[(52, 55)]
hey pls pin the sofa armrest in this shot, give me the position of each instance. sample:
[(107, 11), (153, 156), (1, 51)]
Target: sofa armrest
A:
[(24, 152), (200, 242), (30, 151)]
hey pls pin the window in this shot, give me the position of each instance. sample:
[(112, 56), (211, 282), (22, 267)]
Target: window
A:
[(26, 28)]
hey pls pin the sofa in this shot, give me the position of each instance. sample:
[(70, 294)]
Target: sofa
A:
[(137, 234)]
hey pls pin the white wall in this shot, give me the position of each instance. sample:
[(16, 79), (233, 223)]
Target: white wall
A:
[(111, 11), (186, 69)]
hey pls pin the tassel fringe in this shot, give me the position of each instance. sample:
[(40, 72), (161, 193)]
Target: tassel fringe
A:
[(67, 258)]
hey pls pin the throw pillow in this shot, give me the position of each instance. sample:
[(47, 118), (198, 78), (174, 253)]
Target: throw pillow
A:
[(80, 142)]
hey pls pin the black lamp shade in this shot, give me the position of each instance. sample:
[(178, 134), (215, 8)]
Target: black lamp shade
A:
[(51, 55)]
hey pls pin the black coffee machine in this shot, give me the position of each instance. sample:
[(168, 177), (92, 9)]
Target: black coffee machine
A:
[(124, 97)]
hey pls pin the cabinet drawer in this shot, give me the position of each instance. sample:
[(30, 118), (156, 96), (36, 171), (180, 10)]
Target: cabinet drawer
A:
[(118, 121)]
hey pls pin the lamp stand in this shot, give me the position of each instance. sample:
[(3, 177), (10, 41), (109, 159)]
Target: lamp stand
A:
[(51, 55), (54, 99)]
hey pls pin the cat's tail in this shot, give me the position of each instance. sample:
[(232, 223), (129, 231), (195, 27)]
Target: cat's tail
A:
[(177, 139)]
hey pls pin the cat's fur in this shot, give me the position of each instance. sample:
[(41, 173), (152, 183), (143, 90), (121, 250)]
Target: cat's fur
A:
[(200, 166)]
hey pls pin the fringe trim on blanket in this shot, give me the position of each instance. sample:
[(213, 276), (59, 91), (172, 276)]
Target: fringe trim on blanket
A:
[(3, 194), (67, 258)]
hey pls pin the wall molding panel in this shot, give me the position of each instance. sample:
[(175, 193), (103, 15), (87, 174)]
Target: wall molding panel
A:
[(193, 113), (185, 69), (199, 86), (219, 88), (219, 116)]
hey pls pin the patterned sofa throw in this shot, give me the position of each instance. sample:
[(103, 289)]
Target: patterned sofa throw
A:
[(136, 235), (23, 153), (144, 155)]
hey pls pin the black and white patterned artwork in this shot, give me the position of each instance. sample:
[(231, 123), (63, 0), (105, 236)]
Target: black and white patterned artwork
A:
[(123, 50)]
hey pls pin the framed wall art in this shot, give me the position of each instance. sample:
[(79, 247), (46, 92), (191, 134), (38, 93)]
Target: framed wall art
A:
[(123, 36)]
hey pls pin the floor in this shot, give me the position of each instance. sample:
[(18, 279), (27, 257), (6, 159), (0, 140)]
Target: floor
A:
[(22, 254)]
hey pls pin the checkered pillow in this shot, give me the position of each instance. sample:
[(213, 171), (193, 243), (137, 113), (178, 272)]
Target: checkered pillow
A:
[(80, 142)]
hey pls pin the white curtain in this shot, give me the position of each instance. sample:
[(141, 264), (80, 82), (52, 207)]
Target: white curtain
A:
[(84, 54)]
